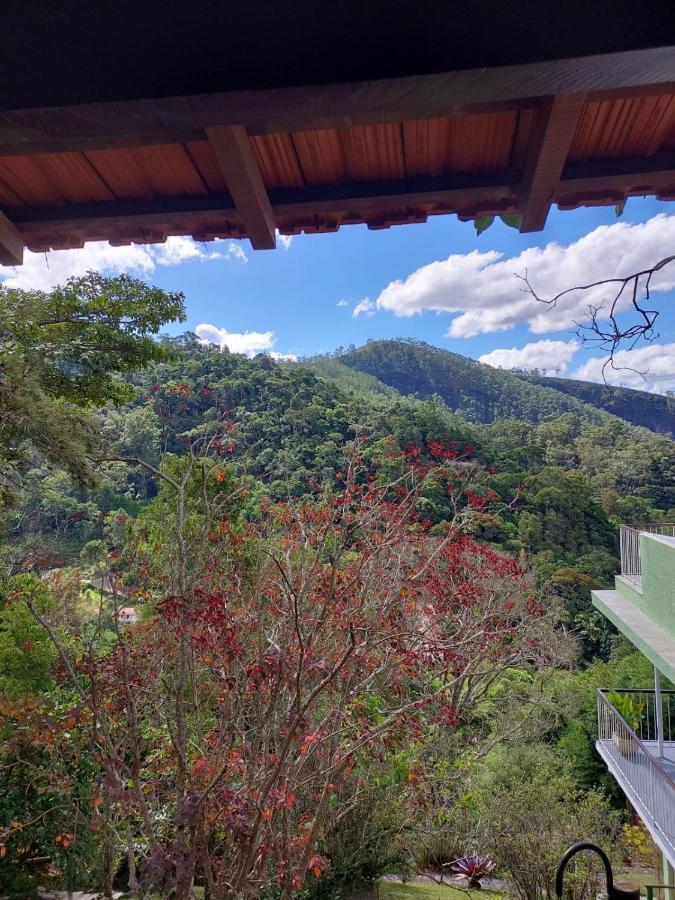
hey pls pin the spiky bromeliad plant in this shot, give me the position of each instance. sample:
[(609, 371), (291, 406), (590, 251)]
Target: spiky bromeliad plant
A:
[(473, 868)]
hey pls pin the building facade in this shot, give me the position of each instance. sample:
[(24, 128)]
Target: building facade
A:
[(636, 728)]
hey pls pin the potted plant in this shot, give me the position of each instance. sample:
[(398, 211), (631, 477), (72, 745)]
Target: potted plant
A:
[(630, 709)]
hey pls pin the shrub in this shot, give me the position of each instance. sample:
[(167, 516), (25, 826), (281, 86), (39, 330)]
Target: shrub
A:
[(531, 810)]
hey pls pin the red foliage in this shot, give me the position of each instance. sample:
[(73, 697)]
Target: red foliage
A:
[(315, 641)]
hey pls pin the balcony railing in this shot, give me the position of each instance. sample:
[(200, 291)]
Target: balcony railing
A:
[(631, 567), (646, 780), (647, 729)]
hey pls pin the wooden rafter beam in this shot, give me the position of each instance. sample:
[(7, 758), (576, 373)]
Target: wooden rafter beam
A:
[(455, 192), (233, 149), (555, 126), (215, 214), (11, 243), (174, 119), (631, 176)]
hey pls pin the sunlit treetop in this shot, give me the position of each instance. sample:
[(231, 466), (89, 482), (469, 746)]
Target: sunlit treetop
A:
[(67, 349)]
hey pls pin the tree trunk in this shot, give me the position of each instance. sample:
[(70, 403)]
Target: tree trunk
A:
[(108, 863)]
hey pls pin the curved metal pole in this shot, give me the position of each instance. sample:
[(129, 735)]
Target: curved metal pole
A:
[(612, 892)]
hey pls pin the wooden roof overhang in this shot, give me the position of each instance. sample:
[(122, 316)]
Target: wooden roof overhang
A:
[(510, 137)]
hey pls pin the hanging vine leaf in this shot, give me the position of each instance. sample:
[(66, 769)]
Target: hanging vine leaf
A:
[(482, 223), (513, 220), (619, 207)]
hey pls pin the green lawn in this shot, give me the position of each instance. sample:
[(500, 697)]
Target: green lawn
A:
[(426, 890), (632, 879), (415, 890)]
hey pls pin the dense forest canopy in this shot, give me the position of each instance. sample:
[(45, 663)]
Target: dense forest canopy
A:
[(365, 638), (485, 394), (653, 411)]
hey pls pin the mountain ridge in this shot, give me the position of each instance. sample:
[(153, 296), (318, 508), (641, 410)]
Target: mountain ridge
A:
[(652, 411), (483, 393)]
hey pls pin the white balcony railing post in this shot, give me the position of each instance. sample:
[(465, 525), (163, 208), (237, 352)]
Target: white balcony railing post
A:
[(658, 704), (630, 553)]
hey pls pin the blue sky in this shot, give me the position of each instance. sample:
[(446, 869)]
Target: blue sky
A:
[(294, 292)]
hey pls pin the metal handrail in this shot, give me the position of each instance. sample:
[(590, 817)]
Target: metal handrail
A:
[(639, 690), (649, 728), (650, 888), (646, 777), (629, 539), (613, 893), (631, 734), (652, 527), (636, 690)]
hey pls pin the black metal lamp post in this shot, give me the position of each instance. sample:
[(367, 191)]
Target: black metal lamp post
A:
[(613, 893)]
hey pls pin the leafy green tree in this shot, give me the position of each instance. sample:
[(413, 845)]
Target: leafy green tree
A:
[(134, 432), (61, 353), (26, 653), (51, 502), (594, 630), (573, 720), (49, 832)]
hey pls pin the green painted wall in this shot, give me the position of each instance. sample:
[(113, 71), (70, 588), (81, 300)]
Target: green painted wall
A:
[(658, 580), (647, 616), (657, 597), (625, 589)]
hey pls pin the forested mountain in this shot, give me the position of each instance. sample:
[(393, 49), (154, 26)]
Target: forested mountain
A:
[(564, 472), (653, 411), (485, 394)]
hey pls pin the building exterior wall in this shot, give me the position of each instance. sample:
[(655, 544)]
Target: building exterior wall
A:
[(644, 608), (658, 580), (656, 596)]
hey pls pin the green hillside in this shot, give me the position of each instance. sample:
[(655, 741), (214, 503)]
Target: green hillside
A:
[(362, 585), (334, 369), (484, 394), (653, 411)]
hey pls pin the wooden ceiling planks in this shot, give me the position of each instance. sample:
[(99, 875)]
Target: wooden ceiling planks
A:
[(317, 158)]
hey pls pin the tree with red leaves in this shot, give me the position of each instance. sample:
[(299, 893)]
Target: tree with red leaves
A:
[(290, 649)]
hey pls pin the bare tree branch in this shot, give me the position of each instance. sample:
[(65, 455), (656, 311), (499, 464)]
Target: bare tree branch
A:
[(603, 329)]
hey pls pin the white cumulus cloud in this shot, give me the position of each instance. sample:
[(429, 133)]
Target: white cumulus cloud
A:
[(234, 251), (342, 303), (483, 288), (366, 307), (248, 343), (551, 357), (43, 271), (649, 368), (285, 240)]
